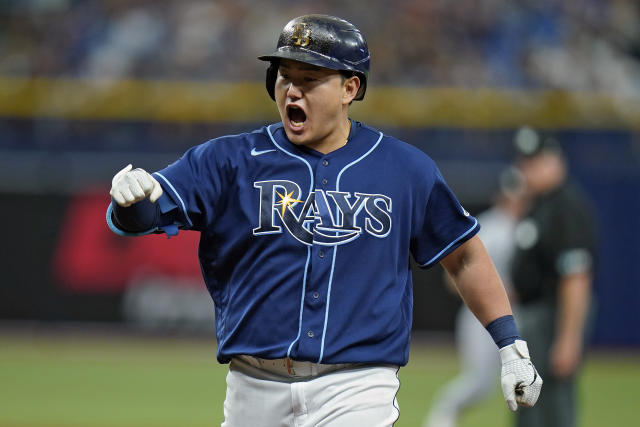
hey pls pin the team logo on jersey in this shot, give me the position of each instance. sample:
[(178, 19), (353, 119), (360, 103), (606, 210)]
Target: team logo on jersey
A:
[(324, 217)]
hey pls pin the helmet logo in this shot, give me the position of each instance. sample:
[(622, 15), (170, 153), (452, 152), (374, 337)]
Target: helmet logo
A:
[(301, 35)]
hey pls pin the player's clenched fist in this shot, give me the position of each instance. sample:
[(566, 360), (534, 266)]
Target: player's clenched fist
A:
[(130, 186), (521, 383)]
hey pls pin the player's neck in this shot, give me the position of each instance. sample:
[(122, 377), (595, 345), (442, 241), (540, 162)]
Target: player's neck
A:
[(336, 139)]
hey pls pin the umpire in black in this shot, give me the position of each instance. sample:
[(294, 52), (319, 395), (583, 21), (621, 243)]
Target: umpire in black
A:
[(552, 274)]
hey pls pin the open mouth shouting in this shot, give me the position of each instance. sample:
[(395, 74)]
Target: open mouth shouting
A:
[(297, 117)]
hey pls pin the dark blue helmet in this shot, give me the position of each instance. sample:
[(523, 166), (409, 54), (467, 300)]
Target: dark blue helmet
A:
[(322, 40)]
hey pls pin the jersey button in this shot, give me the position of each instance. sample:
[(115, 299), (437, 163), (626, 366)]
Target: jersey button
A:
[(316, 295), (325, 162), (310, 334), (321, 254), (324, 181)]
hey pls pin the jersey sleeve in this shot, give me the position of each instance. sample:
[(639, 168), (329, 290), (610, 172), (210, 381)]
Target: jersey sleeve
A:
[(441, 224), (194, 184)]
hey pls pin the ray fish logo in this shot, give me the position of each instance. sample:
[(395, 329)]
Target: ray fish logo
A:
[(326, 218)]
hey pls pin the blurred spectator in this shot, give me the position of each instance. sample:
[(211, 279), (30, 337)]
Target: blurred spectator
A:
[(570, 44), (552, 276), (478, 354)]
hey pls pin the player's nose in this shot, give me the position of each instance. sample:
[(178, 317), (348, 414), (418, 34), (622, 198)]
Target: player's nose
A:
[(293, 91)]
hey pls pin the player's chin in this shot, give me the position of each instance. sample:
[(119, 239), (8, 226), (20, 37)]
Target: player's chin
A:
[(296, 132), (296, 138)]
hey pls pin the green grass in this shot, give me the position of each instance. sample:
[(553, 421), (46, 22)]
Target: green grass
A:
[(98, 381)]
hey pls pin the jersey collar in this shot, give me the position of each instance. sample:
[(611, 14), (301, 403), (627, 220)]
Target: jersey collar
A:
[(357, 143)]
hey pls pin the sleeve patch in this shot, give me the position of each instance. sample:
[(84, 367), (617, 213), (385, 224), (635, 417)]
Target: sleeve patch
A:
[(574, 261)]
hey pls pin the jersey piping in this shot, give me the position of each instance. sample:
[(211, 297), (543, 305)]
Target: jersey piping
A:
[(306, 266), (335, 249), (446, 248), (182, 205), (304, 291)]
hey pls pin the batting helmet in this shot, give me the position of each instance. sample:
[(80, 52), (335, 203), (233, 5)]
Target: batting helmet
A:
[(322, 40)]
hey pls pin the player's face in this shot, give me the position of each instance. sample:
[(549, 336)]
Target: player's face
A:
[(313, 104)]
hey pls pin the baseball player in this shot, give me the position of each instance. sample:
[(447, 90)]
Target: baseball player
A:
[(306, 228)]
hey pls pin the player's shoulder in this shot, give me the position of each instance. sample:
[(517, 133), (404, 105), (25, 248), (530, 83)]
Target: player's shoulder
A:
[(238, 140), (399, 151), (232, 144)]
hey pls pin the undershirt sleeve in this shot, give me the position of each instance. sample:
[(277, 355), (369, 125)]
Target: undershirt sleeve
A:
[(144, 217), (139, 217)]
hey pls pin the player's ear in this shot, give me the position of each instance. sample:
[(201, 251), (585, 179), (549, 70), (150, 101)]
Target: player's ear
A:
[(350, 89)]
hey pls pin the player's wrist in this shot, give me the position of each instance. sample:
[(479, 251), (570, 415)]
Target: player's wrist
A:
[(516, 351), (503, 330)]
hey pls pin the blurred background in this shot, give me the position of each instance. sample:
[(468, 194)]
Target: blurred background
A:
[(89, 86)]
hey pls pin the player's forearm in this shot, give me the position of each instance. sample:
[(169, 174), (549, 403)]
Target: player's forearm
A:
[(480, 286), (574, 297), (477, 281)]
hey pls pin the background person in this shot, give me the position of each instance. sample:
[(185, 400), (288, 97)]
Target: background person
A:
[(552, 275), (476, 350)]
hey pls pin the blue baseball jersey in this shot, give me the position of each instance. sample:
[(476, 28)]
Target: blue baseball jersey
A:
[(306, 255)]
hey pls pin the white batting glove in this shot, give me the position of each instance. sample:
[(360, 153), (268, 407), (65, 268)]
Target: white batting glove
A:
[(521, 383), (130, 186)]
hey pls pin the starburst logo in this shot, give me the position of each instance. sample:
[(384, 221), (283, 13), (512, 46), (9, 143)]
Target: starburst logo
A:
[(287, 201)]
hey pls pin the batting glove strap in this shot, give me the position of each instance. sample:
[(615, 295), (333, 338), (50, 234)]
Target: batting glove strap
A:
[(521, 383)]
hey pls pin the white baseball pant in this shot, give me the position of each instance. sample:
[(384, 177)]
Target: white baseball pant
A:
[(283, 392)]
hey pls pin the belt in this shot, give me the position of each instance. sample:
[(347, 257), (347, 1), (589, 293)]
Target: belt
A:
[(288, 367)]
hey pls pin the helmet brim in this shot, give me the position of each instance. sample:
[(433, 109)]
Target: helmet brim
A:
[(306, 56)]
